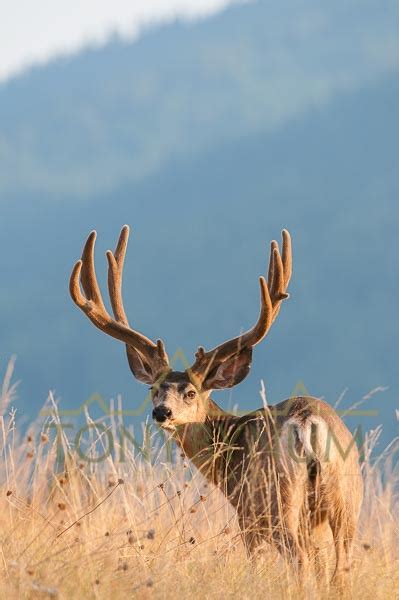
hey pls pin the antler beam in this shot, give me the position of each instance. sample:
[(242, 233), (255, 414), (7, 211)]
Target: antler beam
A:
[(92, 304), (272, 293)]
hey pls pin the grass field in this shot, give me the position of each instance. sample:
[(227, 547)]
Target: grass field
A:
[(151, 528)]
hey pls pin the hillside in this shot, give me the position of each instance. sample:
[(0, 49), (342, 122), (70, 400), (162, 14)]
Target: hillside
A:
[(208, 139), (87, 123)]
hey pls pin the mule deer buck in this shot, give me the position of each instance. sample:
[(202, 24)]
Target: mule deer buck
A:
[(291, 470)]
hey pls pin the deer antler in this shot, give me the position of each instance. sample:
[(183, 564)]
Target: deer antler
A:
[(272, 294), (139, 347)]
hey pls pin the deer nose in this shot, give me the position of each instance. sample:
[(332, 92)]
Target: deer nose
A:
[(161, 413)]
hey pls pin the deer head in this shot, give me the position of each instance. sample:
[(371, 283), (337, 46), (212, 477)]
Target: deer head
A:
[(178, 397)]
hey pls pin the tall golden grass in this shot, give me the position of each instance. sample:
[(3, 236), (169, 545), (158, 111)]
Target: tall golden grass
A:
[(154, 528)]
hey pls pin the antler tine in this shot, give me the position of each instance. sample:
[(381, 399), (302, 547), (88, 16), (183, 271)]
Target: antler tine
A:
[(287, 256), (277, 290), (273, 246), (115, 270), (74, 287), (272, 294), (88, 273)]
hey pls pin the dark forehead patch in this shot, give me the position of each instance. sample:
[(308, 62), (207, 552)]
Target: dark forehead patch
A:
[(177, 377), (171, 385)]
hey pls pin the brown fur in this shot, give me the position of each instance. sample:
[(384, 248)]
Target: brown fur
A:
[(270, 485)]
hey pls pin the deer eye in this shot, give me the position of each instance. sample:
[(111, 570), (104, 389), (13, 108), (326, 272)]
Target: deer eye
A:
[(190, 394)]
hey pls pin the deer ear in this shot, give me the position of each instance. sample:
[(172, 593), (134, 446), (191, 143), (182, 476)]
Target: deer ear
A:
[(139, 367), (230, 372)]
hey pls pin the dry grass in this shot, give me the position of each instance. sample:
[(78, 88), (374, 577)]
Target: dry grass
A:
[(155, 529)]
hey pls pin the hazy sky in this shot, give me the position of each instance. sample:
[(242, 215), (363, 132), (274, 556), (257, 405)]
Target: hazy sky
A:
[(32, 32)]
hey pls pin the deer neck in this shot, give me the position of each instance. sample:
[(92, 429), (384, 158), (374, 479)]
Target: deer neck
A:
[(199, 441)]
